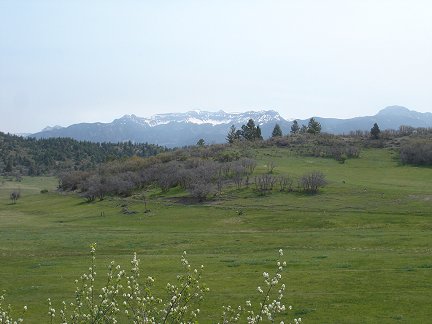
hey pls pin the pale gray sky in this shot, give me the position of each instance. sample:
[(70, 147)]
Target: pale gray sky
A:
[(63, 62)]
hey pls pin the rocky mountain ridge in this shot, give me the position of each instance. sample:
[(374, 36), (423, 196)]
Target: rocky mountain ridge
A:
[(180, 129)]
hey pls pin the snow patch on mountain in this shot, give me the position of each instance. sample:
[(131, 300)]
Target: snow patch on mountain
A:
[(213, 122), (50, 128)]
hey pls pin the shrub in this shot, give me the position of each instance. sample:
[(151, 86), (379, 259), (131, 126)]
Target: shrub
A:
[(200, 190), (72, 180), (417, 152), (311, 182), (285, 183), (265, 183)]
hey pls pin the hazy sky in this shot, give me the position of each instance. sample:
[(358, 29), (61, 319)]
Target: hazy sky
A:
[(63, 62)]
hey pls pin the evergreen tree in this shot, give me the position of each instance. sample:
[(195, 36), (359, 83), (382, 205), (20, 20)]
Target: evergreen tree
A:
[(233, 134), (239, 134), (249, 131), (314, 127), (200, 142), (303, 129), (375, 131), (258, 135), (277, 131), (9, 165), (295, 128)]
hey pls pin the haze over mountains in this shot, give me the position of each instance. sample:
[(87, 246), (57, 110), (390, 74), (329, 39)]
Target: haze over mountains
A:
[(180, 129)]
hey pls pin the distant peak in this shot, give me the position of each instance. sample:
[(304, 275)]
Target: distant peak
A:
[(394, 110), (128, 116)]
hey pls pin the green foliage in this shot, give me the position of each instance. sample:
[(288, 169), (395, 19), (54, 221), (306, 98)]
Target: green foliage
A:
[(233, 135), (313, 127), (295, 128), (375, 131), (28, 156), (277, 131), (250, 132)]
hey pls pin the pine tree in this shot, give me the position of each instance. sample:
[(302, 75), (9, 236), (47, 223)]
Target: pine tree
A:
[(375, 131), (314, 127), (295, 128), (249, 130), (277, 131), (233, 134), (258, 135), (303, 129)]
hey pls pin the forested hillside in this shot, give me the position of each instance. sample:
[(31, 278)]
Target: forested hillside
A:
[(29, 156)]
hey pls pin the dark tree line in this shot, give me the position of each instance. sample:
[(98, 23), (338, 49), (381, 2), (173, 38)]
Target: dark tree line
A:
[(250, 132), (313, 127), (28, 156)]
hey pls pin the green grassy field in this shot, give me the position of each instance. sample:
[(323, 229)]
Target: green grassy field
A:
[(360, 251)]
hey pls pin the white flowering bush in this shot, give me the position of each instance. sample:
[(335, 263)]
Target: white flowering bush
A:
[(126, 296), (181, 305), (6, 312), (89, 305), (270, 305)]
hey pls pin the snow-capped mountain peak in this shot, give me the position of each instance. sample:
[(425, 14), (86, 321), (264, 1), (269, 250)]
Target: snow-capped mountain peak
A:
[(178, 129), (200, 117)]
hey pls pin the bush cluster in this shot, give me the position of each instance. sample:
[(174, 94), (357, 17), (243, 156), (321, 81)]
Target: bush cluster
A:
[(416, 151), (200, 171), (319, 145)]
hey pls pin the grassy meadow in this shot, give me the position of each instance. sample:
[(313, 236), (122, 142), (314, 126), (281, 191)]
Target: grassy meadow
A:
[(359, 251)]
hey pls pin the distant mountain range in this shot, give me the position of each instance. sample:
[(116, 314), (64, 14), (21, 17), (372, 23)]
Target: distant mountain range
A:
[(180, 129)]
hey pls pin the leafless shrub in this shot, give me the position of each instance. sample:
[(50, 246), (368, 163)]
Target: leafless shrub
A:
[(238, 174), (226, 169), (311, 182), (94, 187), (270, 166), (285, 183), (166, 175), (417, 152), (219, 184), (121, 185), (184, 177), (70, 181), (249, 164), (265, 182), (200, 190)]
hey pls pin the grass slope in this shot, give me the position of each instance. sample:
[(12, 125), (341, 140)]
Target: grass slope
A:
[(358, 252)]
